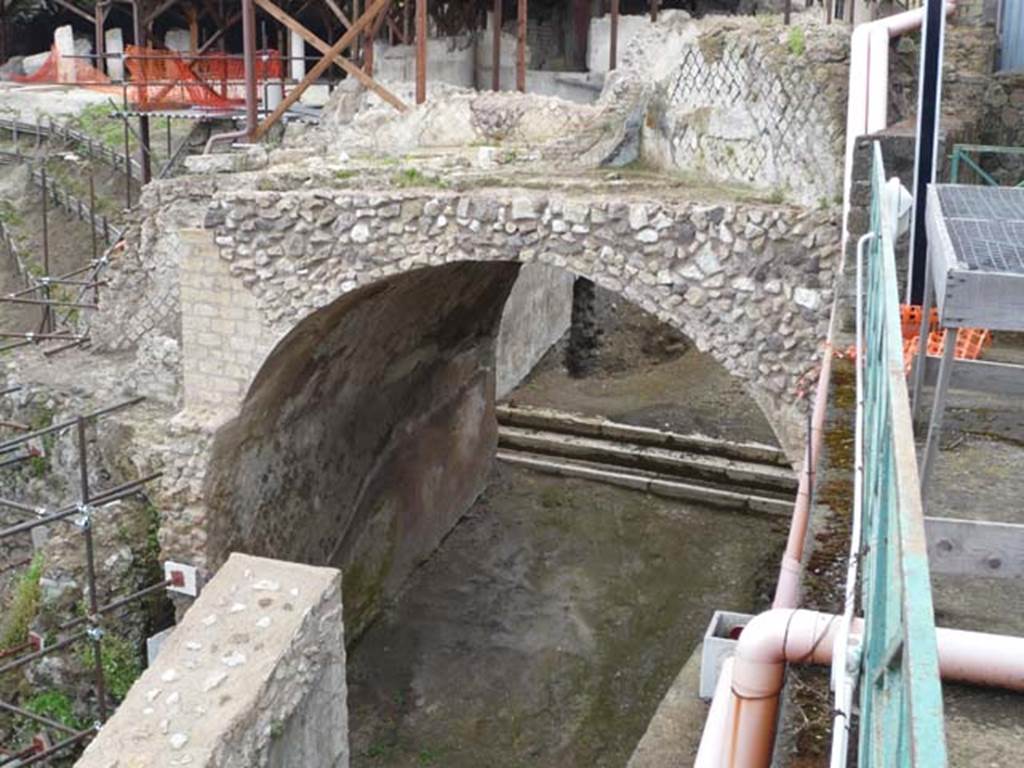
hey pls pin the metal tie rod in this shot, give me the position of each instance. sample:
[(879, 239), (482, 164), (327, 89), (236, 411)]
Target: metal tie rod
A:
[(20, 439), (100, 500)]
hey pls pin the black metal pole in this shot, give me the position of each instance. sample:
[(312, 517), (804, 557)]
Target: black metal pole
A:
[(47, 324), (928, 104), (95, 632)]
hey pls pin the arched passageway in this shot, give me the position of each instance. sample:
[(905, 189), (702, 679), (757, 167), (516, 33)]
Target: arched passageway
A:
[(368, 432)]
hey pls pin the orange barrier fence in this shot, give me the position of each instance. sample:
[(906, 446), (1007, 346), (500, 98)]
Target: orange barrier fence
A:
[(160, 79), (64, 70), (971, 343), (167, 80)]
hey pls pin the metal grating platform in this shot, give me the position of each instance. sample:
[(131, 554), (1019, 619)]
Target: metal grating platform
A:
[(986, 226), (976, 255)]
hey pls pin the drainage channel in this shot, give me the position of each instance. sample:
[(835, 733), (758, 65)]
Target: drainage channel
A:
[(749, 477)]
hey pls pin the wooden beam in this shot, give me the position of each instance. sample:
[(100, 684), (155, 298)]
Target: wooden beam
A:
[(150, 17), (345, 21), (975, 547), (232, 20), (76, 10), (521, 48), (323, 47), (655, 7), (613, 47), (421, 51), (99, 46), (320, 67), (496, 45), (193, 29)]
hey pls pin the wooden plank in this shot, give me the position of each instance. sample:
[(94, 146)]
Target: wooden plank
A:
[(975, 547), (324, 48), (980, 376)]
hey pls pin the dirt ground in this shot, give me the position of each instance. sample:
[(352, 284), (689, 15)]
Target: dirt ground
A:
[(551, 621), (647, 374), (69, 242), (548, 626)]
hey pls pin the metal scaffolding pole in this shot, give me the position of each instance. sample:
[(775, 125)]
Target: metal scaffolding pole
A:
[(521, 18)]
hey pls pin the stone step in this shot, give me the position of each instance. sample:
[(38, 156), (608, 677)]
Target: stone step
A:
[(596, 426), (767, 479), (649, 483)]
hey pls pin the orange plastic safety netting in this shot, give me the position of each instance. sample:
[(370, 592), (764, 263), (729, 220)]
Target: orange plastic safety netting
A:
[(971, 343), (64, 70), (167, 80)]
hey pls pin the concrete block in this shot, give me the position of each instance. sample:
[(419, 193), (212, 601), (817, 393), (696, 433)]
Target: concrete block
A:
[(253, 676), (719, 644), (114, 44)]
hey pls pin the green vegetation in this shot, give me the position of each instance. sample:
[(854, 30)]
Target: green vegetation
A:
[(24, 606), (797, 41), (121, 666), (344, 174), (97, 121), (9, 215), (413, 177), (56, 706)]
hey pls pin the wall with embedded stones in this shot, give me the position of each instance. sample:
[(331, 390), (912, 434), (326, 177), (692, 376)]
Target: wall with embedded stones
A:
[(749, 282), (368, 432), (747, 101), (252, 677)]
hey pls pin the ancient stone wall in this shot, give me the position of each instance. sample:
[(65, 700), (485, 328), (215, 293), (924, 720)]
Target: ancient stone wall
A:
[(749, 282), (536, 315), (368, 432), (747, 101), (715, 272)]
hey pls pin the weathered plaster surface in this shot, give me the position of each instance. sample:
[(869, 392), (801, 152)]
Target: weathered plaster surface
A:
[(252, 677)]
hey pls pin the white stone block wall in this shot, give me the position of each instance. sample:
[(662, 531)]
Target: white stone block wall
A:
[(252, 677)]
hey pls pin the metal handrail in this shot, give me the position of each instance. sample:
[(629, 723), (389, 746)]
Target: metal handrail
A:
[(962, 156), (901, 719)]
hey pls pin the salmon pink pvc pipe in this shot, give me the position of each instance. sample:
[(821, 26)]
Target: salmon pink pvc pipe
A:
[(745, 736), (867, 112)]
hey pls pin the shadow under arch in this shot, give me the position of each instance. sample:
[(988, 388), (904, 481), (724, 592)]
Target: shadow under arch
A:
[(368, 431)]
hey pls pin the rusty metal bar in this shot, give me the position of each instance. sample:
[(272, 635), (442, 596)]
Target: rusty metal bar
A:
[(95, 633), (58, 646), (45, 303), (107, 497), (59, 746), (38, 718), (20, 439), (121, 602)]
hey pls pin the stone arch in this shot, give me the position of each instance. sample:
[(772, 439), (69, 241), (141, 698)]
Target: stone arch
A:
[(747, 282), (368, 430)]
